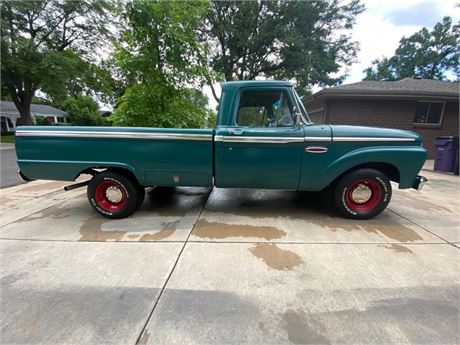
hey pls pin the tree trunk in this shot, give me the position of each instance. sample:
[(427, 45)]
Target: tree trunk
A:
[(26, 117), (22, 101)]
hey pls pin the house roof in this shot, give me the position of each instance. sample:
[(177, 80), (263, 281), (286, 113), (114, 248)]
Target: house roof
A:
[(41, 109), (404, 88)]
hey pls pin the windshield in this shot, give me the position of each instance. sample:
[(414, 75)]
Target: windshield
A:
[(302, 109)]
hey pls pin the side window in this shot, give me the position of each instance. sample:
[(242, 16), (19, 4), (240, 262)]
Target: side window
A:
[(264, 109)]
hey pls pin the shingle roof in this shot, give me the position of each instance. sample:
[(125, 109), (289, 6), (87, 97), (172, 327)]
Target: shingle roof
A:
[(403, 87), (6, 106)]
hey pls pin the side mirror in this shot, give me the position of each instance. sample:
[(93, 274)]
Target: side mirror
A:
[(298, 116), (298, 119)]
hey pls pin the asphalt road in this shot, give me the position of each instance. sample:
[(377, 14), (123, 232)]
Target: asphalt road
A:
[(9, 168)]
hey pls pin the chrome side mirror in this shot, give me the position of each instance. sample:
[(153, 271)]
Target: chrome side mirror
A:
[(298, 117)]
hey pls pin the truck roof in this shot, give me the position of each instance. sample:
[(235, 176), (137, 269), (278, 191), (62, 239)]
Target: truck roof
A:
[(262, 83)]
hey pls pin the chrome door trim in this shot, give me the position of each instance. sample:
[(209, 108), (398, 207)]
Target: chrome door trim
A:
[(316, 149), (371, 139), (258, 140), (112, 135), (318, 139)]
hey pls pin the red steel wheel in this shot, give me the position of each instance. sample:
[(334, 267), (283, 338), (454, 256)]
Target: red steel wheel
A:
[(110, 196), (362, 193), (113, 195)]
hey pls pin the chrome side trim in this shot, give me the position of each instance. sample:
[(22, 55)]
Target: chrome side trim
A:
[(114, 135), (258, 140), (371, 139), (316, 149), (317, 139)]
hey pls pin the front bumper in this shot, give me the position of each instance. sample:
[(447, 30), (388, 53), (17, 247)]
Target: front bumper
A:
[(419, 182)]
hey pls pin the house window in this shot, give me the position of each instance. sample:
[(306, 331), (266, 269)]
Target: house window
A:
[(429, 113), (60, 119)]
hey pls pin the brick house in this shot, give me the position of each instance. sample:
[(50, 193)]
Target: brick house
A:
[(429, 107)]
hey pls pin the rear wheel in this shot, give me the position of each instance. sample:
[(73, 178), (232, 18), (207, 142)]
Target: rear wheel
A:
[(113, 195), (362, 194)]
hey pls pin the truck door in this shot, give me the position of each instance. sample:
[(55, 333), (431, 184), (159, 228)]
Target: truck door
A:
[(262, 148)]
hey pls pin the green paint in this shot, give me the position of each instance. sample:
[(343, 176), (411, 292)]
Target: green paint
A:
[(185, 162)]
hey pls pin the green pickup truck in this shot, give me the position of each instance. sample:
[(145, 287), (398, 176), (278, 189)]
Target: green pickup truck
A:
[(263, 139)]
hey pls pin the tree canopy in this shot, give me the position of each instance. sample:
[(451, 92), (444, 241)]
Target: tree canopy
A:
[(49, 46), (426, 54), (161, 53), (162, 64), (296, 40)]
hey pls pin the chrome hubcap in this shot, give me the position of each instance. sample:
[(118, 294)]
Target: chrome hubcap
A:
[(361, 194), (114, 194)]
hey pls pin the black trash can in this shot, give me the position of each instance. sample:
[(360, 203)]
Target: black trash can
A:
[(446, 154)]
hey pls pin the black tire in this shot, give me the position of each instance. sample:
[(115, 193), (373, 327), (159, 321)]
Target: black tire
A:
[(123, 201), (375, 189)]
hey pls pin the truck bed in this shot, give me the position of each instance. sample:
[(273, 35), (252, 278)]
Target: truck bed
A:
[(156, 156)]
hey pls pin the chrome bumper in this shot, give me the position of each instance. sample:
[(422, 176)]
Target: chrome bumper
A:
[(419, 183)]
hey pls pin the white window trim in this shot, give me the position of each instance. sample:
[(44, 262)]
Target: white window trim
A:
[(429, 123)]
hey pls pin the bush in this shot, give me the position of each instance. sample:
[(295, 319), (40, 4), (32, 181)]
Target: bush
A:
[(42, 121), (84, 111), (156, 105)]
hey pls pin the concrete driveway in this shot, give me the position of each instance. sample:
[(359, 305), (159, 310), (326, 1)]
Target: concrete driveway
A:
[(9, 166), (199, 266)]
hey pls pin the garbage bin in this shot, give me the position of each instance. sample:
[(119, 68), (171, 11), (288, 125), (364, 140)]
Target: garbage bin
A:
[(446, 154)]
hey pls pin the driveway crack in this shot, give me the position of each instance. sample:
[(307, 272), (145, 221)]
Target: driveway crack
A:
[(139, 337)]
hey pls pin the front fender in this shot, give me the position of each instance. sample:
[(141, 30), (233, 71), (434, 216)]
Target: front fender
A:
[(407, 159)]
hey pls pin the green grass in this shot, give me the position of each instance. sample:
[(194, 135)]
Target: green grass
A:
[(7, 138)]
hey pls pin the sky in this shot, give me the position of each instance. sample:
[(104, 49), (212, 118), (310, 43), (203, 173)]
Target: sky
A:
[(380, 27)]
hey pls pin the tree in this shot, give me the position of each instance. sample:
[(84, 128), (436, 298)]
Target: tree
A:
[(47, 46), (83, 111), (281, 39), (162, 63), (426, 54)]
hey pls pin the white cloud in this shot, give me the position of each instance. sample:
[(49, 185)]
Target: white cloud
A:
[(378, 35)]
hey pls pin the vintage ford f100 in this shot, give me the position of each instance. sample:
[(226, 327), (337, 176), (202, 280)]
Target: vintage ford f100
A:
[(263, 139)]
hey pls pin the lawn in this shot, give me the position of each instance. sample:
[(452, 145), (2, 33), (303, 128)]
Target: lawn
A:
[(7, 138)]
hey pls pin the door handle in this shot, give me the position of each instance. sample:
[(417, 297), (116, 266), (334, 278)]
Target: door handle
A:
[(236, 131)]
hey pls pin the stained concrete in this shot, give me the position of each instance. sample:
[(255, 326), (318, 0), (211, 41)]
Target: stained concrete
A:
[(257, 267), (226, 293), (436, 207), (166, 215), (69, 293), (247, 215)]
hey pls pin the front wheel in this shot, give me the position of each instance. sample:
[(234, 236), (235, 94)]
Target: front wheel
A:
[(362, 194), (113, 195)]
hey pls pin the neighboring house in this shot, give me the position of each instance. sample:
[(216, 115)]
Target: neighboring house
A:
[(428, 107), (105, 113), (9, 115)]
